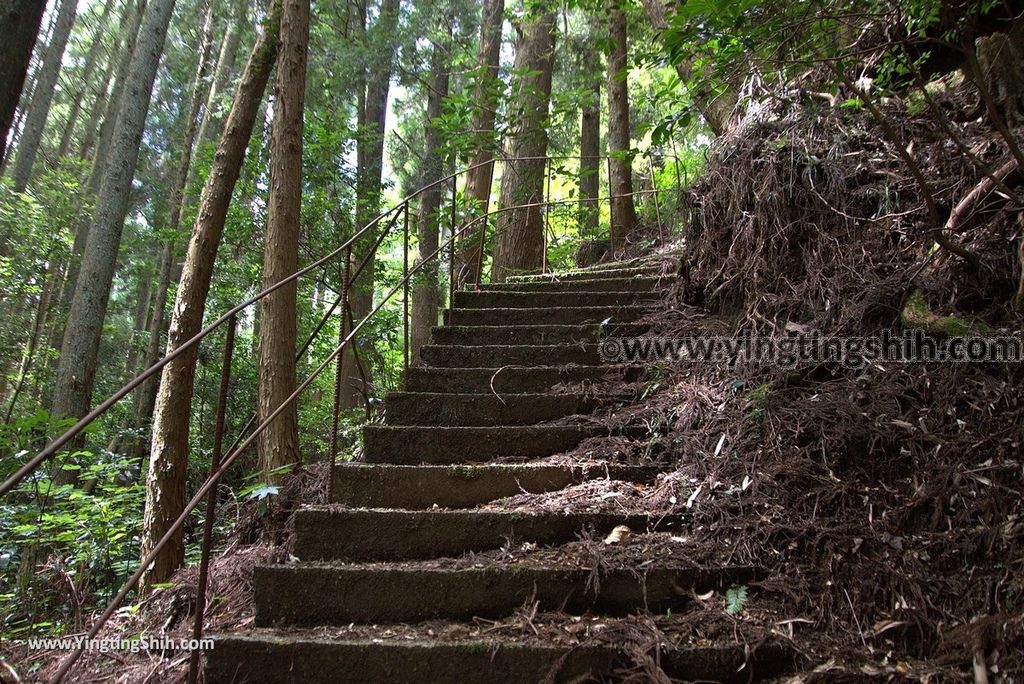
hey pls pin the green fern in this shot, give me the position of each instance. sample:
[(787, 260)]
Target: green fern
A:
[(735, 600)]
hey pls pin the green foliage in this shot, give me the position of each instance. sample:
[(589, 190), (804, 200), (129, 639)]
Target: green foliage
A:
[(62, 541), (735, 600)]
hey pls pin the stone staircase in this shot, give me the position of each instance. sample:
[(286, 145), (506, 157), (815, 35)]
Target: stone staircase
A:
[(371, 591)]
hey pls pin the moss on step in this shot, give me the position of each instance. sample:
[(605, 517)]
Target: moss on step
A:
[(917, 314)]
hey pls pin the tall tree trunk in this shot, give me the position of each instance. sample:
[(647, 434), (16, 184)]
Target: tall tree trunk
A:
[(370, 166), (519, 234), (76, 371), (32, 345), (91, 60), (620, 163), (425, 298), (19, 24), (478, 180), (127, 25), (30, 86), (42, 96), (113, 109), (140, 323), (146, 393), (716, 106), (168, 458), (212, 116), (590, 156), (110, 115), (279, 443)]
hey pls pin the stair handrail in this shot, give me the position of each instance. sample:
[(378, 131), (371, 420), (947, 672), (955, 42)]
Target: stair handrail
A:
[(219, 466)]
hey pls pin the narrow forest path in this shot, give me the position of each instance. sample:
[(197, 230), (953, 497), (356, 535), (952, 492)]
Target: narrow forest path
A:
[(382, 589)]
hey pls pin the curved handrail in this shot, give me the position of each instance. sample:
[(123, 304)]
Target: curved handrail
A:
[(241, 445), (53, 447)]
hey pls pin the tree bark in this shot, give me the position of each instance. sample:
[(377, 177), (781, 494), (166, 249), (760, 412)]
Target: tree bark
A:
[(19, 24), (369, 167), (99, 105), (519, 233), (30, 86), (426, 298), (140, 322), (168, 459), (478, 180), (590, 156), (42, 96), (212, 114), (146, 393), (91, 60), (279, 443), (113, 109), (620, 164), (76, 371)]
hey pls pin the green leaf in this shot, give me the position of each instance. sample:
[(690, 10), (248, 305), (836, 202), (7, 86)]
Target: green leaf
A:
[(258, 491), (735, 600)]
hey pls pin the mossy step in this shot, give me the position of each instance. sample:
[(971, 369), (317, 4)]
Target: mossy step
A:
[(531, 334), (391, 486), (557, 315), (421, 408), (537, 300), (474, 356), (634, 283), (599, 272), (306, 595), (514, 380), (297, 657), (329, 533), (415, 444)]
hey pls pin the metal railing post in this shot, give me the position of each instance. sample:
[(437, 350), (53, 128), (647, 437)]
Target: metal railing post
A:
[(451, 256), (336, 410), (480, 260), (483, 225), (405, 293), (547, 217), (654, 196), (211, 500), (611, 203)]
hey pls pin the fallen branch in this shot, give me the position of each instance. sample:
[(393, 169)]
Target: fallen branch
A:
[(965, 208)]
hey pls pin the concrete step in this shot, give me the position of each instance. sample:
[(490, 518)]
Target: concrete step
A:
[(635, 283), (531, 334), (297, 657), (574, 315), (413, 445), (325, 533), (418, 487), (475, 356), (421, 408), (504, 381), (307, 595), (543, 300), (599, 272)]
